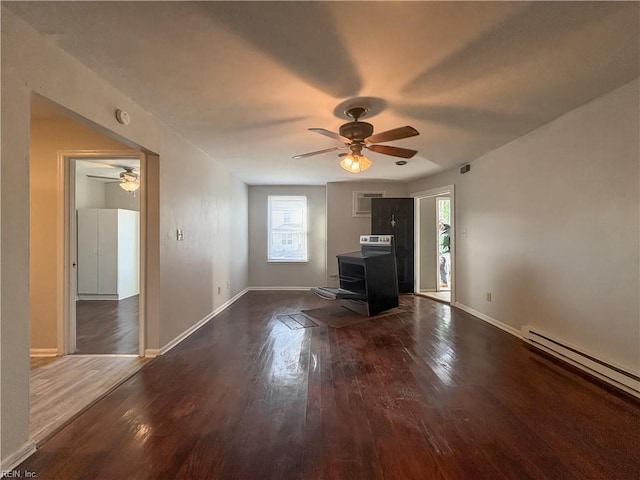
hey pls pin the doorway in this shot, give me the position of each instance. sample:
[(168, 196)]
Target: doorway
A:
[(104, 215), (443, 215), (435, 244)]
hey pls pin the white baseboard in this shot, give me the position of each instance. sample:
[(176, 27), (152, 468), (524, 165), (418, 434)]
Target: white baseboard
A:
[(86, 296), (229, 302), (285, 289), (151, 352), (128, 295), (606, 370), (610, 376), (496, 323), (43, 352), (184, 334), (16, 458)]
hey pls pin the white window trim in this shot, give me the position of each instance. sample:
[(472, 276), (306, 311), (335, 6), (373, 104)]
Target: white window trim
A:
[(304, 229)]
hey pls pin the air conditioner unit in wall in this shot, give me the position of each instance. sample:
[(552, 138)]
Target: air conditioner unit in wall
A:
[(362, 202)]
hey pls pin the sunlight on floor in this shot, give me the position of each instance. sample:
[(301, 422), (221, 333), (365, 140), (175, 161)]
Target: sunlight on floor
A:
[(440, 296)]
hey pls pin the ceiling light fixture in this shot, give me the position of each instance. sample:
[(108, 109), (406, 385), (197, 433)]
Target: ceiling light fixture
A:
[(130, 185), (129, 180), (355, 163)]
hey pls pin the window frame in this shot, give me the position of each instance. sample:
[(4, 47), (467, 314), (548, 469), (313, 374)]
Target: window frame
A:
[(303, 231)]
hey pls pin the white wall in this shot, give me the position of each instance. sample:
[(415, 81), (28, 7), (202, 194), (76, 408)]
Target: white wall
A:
[(309, 274), (128, 253), (196, 193), (343, 229), (552, 229), (116, 197), (90, 193), (237, 230), (197, 196)]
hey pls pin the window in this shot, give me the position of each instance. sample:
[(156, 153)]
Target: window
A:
[(287, 232)]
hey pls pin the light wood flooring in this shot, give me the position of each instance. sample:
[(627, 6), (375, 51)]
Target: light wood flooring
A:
[(37, 362), (62, 387), (429, 393), (442, 296)]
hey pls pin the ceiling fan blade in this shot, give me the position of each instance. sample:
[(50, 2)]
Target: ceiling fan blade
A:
[(104, 178), (303, 155), (395, 134), (393, 151), (327, 133)]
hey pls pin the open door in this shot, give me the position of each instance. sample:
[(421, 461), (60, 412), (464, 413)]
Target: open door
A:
[(443, 214), (435, 243)]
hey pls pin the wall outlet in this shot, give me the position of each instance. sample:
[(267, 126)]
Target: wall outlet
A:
[(228, 285), (179, 235), (488, 296)]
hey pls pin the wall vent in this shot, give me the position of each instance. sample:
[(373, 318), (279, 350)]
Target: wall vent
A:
[(619, 376), (362, 202)]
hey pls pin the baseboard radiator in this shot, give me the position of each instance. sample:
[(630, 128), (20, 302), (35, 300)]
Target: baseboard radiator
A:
[(618, 376)]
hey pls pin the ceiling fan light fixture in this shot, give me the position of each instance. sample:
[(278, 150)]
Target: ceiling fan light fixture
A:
[(130, 186), (355, 163), (357, 135)]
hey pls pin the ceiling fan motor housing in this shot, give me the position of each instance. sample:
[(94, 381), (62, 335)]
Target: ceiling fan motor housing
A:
[(356, 130)]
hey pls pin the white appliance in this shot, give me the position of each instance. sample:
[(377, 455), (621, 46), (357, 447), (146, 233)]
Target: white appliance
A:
[(108, 253)]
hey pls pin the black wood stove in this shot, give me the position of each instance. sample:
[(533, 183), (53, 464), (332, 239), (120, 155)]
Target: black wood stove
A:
[(368, 278)]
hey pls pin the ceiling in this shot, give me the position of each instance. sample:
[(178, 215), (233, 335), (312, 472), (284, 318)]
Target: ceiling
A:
[(245, 80)]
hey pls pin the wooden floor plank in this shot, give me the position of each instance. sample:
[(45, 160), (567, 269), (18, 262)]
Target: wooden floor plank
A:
[(107, 326), (429, 393)]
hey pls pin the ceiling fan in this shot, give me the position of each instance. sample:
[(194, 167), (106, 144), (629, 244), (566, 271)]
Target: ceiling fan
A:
[(357, 135), (128, 180)]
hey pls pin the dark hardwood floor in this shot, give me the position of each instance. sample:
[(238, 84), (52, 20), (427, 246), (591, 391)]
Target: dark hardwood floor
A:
[(107, 326), (431, 393)]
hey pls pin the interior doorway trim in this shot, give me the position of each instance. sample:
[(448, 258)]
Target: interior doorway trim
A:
[(448, 190), (65, 295)]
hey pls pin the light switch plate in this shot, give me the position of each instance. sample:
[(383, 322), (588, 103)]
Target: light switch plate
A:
[(179, 234)]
